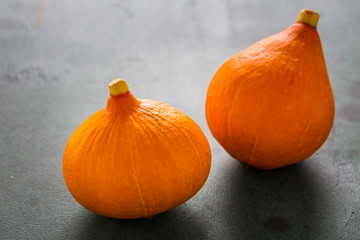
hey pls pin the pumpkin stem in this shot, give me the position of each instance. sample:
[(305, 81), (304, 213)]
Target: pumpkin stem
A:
[(118, 86), (309, 17)]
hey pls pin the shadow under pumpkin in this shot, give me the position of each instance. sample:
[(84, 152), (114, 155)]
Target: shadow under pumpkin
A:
[(266, 203)]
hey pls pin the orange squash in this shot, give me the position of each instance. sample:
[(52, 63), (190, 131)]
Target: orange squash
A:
[(135, 158), (271, 104)]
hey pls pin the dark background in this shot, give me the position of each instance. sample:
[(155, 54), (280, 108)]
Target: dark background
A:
[(56, 59)]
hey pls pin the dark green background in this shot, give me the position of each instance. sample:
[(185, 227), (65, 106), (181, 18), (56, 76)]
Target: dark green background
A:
[(54, 73)]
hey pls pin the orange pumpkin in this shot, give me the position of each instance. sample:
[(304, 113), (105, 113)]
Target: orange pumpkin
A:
[(135, 158), (271, 104)]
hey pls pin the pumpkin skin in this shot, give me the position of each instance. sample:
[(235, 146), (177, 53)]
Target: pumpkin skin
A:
[(271, 104), (135, 158)]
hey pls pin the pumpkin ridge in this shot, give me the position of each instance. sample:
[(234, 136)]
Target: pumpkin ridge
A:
[(184, 135), (92, 133), (136, 180), (231, 113), (180, 130), (250, 162), (196, 151), (303, 135), (139, 190), (144, 123), (108, 133)]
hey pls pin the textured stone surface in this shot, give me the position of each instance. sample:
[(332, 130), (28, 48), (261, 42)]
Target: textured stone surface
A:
[(56, 59)]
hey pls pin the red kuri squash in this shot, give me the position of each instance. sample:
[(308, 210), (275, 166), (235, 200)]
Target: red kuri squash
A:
[(135, 158), (271, 104)]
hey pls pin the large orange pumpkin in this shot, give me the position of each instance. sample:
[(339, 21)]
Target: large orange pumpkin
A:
[(135, 158), (271, 104)]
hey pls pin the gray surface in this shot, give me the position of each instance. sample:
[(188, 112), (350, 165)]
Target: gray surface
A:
[(55, 65)]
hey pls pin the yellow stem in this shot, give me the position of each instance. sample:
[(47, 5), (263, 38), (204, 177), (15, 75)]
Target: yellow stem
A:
[(309, 17), (118, 86)]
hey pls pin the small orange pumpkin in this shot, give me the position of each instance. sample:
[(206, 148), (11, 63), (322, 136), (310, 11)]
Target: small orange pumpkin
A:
[(271, 104), (135, 158)]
